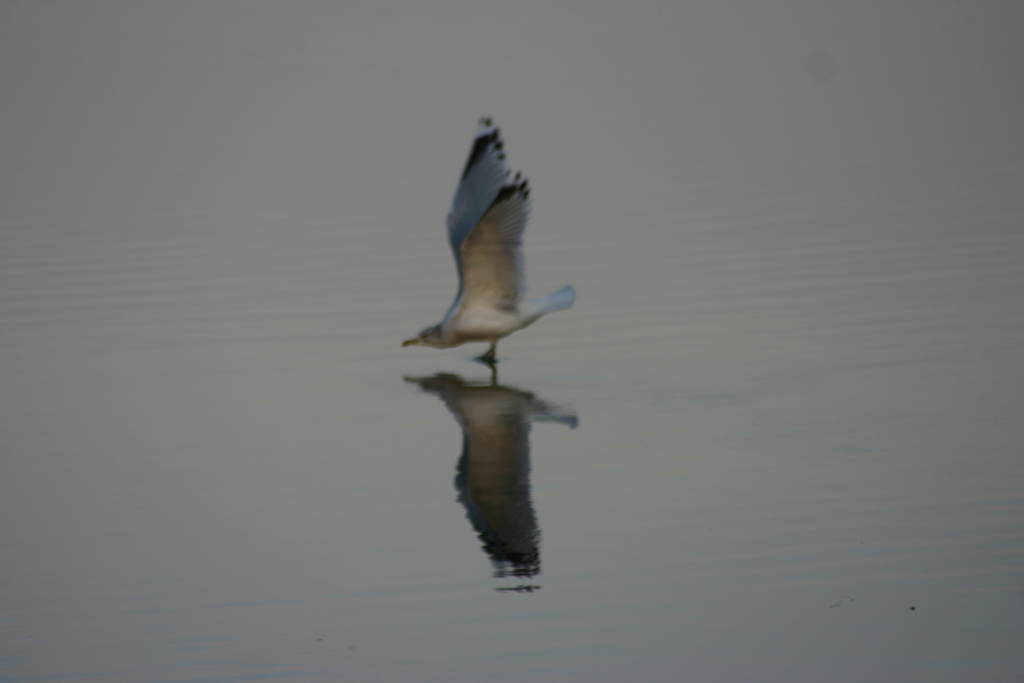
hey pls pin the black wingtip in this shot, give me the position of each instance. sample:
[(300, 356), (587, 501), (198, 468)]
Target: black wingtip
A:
[(481, 144), (512, 189)]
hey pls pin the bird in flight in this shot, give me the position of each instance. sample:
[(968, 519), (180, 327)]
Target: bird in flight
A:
[(485, 231)]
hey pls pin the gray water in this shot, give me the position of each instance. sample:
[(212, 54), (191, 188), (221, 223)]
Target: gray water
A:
[(778, 437)]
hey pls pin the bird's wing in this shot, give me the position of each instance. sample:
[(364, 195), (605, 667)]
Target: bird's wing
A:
[(483, 179), (492, 254)]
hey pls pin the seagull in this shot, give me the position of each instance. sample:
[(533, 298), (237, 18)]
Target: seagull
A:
[(485, 231)]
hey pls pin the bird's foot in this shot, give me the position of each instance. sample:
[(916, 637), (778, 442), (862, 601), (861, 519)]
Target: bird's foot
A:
[(487, 358)]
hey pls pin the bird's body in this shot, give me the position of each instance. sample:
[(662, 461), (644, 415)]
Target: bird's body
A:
[(485, 230)]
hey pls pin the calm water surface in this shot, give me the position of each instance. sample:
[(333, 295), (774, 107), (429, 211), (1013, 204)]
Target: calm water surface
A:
[(778, 438)]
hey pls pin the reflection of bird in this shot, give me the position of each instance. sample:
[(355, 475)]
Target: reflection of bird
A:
[(493, 474), (485, 230)]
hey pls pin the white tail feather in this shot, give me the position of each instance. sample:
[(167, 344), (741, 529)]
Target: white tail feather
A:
[(563, 298)]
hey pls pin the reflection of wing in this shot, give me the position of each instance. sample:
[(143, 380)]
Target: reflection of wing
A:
[(494, 481), (493, 477)]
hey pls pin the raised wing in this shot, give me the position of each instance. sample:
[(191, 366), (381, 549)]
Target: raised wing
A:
[(482, 180), (492, 254)]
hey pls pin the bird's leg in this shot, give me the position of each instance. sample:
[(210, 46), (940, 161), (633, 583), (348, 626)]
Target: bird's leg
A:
[(488, 357)]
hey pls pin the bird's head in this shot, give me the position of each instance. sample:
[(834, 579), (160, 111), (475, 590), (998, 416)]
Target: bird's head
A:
[(430, 336)]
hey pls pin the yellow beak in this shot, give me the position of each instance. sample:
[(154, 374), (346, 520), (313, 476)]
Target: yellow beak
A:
[(410, 342)]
